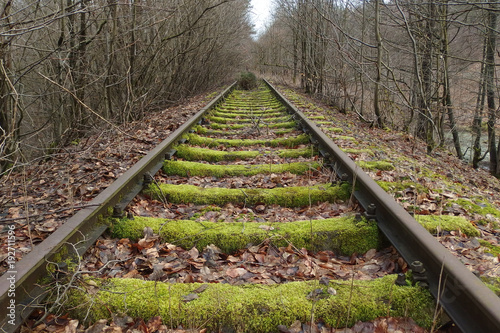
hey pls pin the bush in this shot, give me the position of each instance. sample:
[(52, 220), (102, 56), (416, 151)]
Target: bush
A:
[(247, 81)]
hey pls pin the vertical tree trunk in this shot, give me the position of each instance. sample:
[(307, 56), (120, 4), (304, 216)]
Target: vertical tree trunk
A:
[(425, 129), (446, 89), (478, 113), (378, 38), (110, 57), (490, 86), (7, 116)]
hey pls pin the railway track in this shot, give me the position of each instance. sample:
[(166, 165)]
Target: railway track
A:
[(248, 175)]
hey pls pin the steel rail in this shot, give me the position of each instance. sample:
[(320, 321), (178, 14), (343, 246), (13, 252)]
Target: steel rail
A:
[(465, 298), (22, 285)]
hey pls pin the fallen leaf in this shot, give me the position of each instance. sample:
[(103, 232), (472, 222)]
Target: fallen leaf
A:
[(189, 297)]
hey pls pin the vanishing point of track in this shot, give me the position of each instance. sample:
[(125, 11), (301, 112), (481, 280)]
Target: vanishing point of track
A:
[(468, 302)]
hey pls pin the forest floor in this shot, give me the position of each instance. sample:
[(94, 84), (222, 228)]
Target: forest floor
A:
[(38, 198)]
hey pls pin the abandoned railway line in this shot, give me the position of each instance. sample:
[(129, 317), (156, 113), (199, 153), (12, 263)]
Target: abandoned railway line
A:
[(209, 218)]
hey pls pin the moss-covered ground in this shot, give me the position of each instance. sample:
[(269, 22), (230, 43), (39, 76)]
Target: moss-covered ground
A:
[(376, 165), (283, 196), (342, 235), (253, 308), (436, 224)]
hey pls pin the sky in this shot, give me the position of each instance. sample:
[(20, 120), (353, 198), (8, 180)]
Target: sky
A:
[(261, 13)]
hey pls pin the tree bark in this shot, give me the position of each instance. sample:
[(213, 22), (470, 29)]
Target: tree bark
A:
[(490, 86), (378, 37)]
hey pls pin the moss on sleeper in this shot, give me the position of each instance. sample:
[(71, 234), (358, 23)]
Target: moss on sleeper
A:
[(288, 124), (244, 109), (344, 235), (211, 142), (251, 307), (189, 153), (283, 196), (204, 130), (183, 168), (376, 165), (433, 223), (249, 115), (203, 154), (222, 120)]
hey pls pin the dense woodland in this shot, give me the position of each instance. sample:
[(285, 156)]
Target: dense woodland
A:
[(425, 67), (68, 66)]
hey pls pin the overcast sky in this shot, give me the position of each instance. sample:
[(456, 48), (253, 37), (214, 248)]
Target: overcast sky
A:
[(261, 13)]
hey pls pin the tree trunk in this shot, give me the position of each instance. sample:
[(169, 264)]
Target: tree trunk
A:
[(490, 86), (7, 115), (376, 102), (446, 89)]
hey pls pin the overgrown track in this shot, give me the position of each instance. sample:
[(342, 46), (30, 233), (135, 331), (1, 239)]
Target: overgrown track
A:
[(244, 150)]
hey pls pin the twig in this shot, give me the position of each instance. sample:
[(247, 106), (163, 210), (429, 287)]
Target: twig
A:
[(88, 107)]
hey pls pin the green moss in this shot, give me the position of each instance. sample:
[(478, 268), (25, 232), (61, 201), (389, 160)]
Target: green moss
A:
[(211, 142), (346, 138), (295, 153), (284, 196), (490, 248), (342, 235), (259, 108), (183, 168), (253, 308), (317, 118), (284, 131), (492, 283), (222, 120), (288, 124), (249, 115), (477, 206), (446, 223), (189, 153), (335, 129), (393, 187), (358, 151), (203, 154), (375, 165), (204, 130)]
